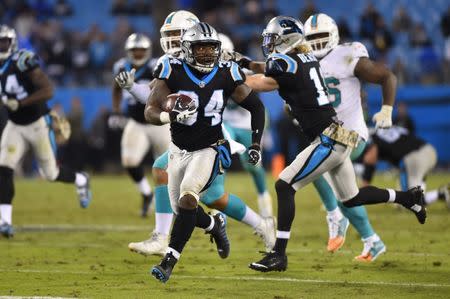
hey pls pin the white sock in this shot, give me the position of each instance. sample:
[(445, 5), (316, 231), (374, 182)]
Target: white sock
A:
[(431, 196), (144, 186), (251, 218), (163, 222), (80, 179), (210, 227), (265, 204), (283, 235), (336, 214), (6, 213), (392, 195), (175, 253)]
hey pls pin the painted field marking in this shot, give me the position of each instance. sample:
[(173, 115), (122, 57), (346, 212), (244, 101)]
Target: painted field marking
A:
[(257, 278)]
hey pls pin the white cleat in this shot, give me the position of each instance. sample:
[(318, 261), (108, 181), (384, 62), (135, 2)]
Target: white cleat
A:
[(156, 245), (266, 230)]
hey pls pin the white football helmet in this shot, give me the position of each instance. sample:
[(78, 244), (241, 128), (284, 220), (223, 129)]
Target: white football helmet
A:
[(175, 24), (321, 33), (227, 44), (282, 35), (8, 43), (138, 41)]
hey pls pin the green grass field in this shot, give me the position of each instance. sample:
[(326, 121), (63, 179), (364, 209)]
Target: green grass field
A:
[(83, 253)]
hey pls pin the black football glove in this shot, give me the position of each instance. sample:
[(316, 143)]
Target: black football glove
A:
[(242, 60), (254, 154)]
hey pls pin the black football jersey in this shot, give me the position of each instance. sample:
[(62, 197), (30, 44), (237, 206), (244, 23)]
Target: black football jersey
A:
[(209, 91), (143, 75), (15, 82), (302, 87), (395, 143)]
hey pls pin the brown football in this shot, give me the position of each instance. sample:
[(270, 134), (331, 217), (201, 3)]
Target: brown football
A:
[(186, 101)]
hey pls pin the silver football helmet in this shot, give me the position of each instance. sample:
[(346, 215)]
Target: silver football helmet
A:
[(200, 46), (8, 41), (138, 41), (281, 35)]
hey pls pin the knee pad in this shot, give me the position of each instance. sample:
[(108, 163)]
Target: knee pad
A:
[(284, 189), (188, 201), (6, 185)]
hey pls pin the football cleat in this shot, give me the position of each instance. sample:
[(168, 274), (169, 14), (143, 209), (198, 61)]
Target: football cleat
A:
[(84, 192), (7, 230), (219, 235), (371, 251), (337, 230), (266, 231), (272, 261), (162, 271), (265, 204), (146, 202), (156, 245), (444, 194), (417, 204)]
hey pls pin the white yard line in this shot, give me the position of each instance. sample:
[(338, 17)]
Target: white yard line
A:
[(255, 278), (34, 297), (80, 227), (317, 281)]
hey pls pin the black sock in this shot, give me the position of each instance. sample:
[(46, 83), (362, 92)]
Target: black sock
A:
[(182, 228), (280, 246), (286, 212), (404, 198), (136, 173), (66, 175), (203, 219)]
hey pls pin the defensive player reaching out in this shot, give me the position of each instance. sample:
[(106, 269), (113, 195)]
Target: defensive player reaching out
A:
[(215, 197), (198, 149), (138, 136), (293, 70), (25, 89)]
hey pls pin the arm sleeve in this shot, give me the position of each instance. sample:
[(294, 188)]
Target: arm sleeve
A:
[(253, 104)]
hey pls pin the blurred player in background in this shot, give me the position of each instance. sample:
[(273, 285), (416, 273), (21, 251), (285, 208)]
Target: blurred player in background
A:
[(198, 149), (215, 197), (237, 122), (414, 157), (138, 136), (292, 69), (25, 89)]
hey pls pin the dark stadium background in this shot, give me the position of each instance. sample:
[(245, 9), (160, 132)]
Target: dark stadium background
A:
[(79, 40)]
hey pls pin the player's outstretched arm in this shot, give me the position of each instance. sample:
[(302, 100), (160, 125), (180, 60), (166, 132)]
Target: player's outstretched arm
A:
[(154, 113), (44, 88), (246, 98), (375, 72), (261, 83)]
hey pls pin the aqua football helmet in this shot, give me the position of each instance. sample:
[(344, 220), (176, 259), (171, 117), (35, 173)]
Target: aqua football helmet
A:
[(321, 33)]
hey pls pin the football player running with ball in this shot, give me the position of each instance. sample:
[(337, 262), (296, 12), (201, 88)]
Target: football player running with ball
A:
[(215, 197), (198, 150), (138, 136), (25, 89), (293, 70)]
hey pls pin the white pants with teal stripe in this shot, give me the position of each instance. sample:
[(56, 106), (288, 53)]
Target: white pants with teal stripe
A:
[(321, 156), (16, 140), (189, 172)]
